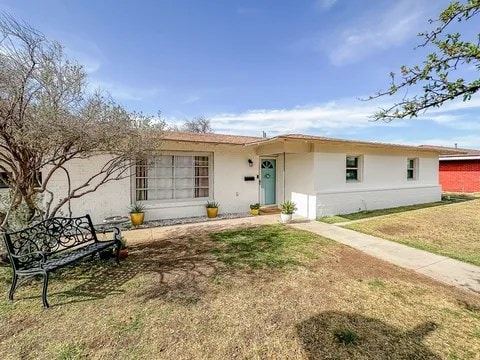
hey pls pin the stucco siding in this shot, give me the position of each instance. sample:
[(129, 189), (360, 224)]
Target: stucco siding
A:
[(228, 187), (383, 182), (110, 199), (299, 183), (353, 201), (314, 178)]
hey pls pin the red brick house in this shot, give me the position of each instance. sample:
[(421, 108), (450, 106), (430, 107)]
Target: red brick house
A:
[(459, 172)]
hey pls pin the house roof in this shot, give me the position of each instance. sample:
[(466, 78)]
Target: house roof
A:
[(453, 153), (322, 139), (213, 138), (208, 138)]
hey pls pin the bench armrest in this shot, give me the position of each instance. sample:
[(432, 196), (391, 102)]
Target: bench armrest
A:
[(117, 233)]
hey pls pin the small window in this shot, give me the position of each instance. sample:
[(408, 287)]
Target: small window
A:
[(412, 169), (353, 168)]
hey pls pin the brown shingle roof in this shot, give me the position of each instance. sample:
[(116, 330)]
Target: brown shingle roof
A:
[(213, 138), (208, 138), (344, 141)]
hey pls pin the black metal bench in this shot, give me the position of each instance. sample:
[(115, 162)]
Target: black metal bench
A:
[(52, 244)]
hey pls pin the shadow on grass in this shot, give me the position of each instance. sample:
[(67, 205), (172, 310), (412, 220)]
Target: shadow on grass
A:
[(174, 266), (339, 335)]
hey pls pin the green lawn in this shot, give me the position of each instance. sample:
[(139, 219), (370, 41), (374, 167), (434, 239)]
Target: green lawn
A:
[(446, 199), (452, 231), (266, 292)]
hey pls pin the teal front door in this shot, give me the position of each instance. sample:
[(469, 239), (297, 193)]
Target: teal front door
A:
[(268, 182)]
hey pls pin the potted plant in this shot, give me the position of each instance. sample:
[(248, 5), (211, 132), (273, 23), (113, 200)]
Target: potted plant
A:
[(137, 214), (123, 252), (288, 209), (255, 209), (212, 209)]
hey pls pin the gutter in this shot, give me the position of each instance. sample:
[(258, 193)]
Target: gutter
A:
[(456, 158)]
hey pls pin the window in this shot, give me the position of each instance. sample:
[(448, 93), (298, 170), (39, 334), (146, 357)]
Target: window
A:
[(353, 168), (412, 169), (169, 177)]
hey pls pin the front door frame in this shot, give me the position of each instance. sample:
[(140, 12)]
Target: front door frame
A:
[(261, 195)]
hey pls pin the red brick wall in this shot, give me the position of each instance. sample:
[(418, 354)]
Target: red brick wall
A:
[(460, 175)]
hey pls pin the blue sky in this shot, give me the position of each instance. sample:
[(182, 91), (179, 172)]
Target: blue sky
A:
[(253, 65)]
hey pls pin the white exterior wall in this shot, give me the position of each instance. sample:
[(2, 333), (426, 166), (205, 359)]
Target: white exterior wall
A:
[(383, 181), (314, 179), (299, 183), (228, 187), (110, 199)]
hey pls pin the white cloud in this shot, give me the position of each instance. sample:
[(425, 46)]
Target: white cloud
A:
[(376, 31), (336, 118), (325, 4), (326, 118)]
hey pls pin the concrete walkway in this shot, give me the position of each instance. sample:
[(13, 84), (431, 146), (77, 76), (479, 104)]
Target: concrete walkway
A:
[(441, 268)]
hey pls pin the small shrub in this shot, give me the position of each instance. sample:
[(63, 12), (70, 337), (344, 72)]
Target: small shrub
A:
[(212, 205), (346, 336), (255, 206), (289, 207), (137, 208)]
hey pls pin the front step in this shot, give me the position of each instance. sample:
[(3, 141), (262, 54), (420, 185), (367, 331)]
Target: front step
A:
[(270, 210)]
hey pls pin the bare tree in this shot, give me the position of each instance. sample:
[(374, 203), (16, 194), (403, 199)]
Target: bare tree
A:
[(199, 124), (48, 119)]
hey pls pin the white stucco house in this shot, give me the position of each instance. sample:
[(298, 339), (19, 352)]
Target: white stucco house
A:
[(324, 176)]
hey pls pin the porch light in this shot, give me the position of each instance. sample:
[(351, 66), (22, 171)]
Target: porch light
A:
[(250, 162)]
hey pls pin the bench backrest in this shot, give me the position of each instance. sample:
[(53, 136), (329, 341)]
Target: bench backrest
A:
[(50, 236)]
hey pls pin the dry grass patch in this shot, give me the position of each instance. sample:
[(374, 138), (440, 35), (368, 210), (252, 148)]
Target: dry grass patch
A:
[(451, 230), (183, 297)]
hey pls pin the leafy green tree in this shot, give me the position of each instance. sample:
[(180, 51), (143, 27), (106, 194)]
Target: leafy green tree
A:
[(440, 74)]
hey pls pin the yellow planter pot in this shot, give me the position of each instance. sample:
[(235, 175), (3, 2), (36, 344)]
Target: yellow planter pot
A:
[(137, 218), (212, 212), (254, 211)]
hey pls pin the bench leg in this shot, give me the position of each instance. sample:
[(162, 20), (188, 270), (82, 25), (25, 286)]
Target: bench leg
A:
[(13, 287), (44, 291), (117, 255)]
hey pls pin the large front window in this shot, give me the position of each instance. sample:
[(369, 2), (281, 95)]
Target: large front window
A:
[(169, 177)]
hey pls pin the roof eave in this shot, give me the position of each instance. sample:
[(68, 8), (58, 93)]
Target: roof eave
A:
[(346, 142), (457, 158)]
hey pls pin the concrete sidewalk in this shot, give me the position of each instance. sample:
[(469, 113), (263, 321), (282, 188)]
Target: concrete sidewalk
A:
[(441, 268)]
